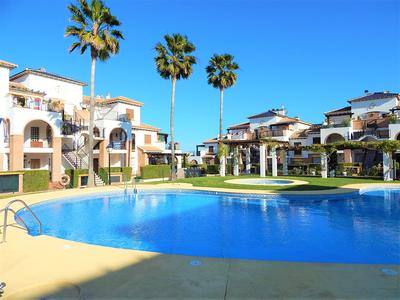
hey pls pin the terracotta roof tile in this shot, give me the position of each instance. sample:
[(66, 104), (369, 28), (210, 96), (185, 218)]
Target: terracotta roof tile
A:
[(7, 64)]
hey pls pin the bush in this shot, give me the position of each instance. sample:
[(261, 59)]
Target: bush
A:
[(36, 180), (126, 173), (74, 176), (212, 169), (155, 171)]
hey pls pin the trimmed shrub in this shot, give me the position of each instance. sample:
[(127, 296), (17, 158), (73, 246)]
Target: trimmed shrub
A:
[(36, 180), (75, 176), (155, 171), (126, 173), (212, 169)]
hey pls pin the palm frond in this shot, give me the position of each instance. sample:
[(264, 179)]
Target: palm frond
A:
[(220, 71), (173, 59), (96, 28)]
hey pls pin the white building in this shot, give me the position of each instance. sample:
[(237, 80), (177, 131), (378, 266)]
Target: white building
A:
[(44, 120)]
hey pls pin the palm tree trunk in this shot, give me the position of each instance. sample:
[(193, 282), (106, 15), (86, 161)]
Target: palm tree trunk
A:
[(91, 124), (222, 158), (221, 107), (171, 125)]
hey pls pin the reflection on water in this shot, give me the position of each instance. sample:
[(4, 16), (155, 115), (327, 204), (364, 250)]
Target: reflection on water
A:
[(348, 228)]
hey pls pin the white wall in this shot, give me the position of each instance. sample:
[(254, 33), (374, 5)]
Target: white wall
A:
[(4, 88), (20, 117), (343, 131), (362, 107), (44, 160), (255, 123), (69, 92)]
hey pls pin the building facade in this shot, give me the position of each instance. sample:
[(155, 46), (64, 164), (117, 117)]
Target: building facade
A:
[(44, 124)]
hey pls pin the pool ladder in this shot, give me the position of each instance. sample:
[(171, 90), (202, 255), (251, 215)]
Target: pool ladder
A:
[(133, 186), (8, 208)]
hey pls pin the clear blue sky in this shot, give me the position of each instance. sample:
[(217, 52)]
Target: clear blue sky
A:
[(309, 56)]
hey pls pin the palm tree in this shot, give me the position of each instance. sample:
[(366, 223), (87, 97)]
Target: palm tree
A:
[(94, 29), (174, 62), (221, 75)]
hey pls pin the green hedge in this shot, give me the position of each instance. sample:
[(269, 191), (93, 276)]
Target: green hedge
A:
[(212, 169), (126, 173), (74, 176), (155, 171), (36, 180)]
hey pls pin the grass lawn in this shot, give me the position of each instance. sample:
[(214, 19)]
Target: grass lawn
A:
[(314, 183)]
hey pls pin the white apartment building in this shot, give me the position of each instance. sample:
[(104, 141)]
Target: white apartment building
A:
[(44, 120)]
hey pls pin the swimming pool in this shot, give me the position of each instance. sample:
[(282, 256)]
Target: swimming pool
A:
[(351, 228)]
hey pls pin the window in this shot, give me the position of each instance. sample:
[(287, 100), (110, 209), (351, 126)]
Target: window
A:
[(210, 149), (34, 133), (147, 139), (35, 163), (316, 140), (297, 147), (130, 114)]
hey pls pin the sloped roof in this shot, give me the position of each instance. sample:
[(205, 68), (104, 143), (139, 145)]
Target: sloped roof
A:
[(339, 112), (374, 96), (300, 134), (148, 127), (240, 126), (288, 120), (7, 64), (211, 141), (47, 75), (150, 149), (268, 113), (118, 99), (22, 89)]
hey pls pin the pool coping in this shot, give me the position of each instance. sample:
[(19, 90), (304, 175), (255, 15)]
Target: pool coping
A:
[(89, 262)]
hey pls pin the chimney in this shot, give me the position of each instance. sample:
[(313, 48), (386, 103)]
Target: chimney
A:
[(42, 69), (108, 96)]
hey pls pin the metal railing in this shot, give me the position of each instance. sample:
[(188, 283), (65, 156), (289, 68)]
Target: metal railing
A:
[(8, 208)]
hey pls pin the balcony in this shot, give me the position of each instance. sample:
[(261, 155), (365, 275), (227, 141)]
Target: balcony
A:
[(377, 133), (118, 145), (38, 104)]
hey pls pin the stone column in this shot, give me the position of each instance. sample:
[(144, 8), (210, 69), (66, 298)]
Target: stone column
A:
[(347, 155), (236, 161), (274, 162), (324, 165), (179, 162), (248, 160), (222, 166), (56, 160), (103, 154), (387, 166), (16, 153), (128, 153), (284, 160), (262, 160)]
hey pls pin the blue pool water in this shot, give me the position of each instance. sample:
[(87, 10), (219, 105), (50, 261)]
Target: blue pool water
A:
[(349, 228)]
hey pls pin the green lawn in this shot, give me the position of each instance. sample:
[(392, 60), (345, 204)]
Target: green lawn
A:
[(314, 183)]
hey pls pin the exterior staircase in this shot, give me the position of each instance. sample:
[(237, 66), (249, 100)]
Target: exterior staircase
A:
[(76, 161)]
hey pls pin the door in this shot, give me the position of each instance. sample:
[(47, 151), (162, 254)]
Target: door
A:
[(35, 163), (96, 165)]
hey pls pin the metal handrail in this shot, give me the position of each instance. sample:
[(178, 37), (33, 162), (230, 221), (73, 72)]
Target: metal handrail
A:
[(8, 208)]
